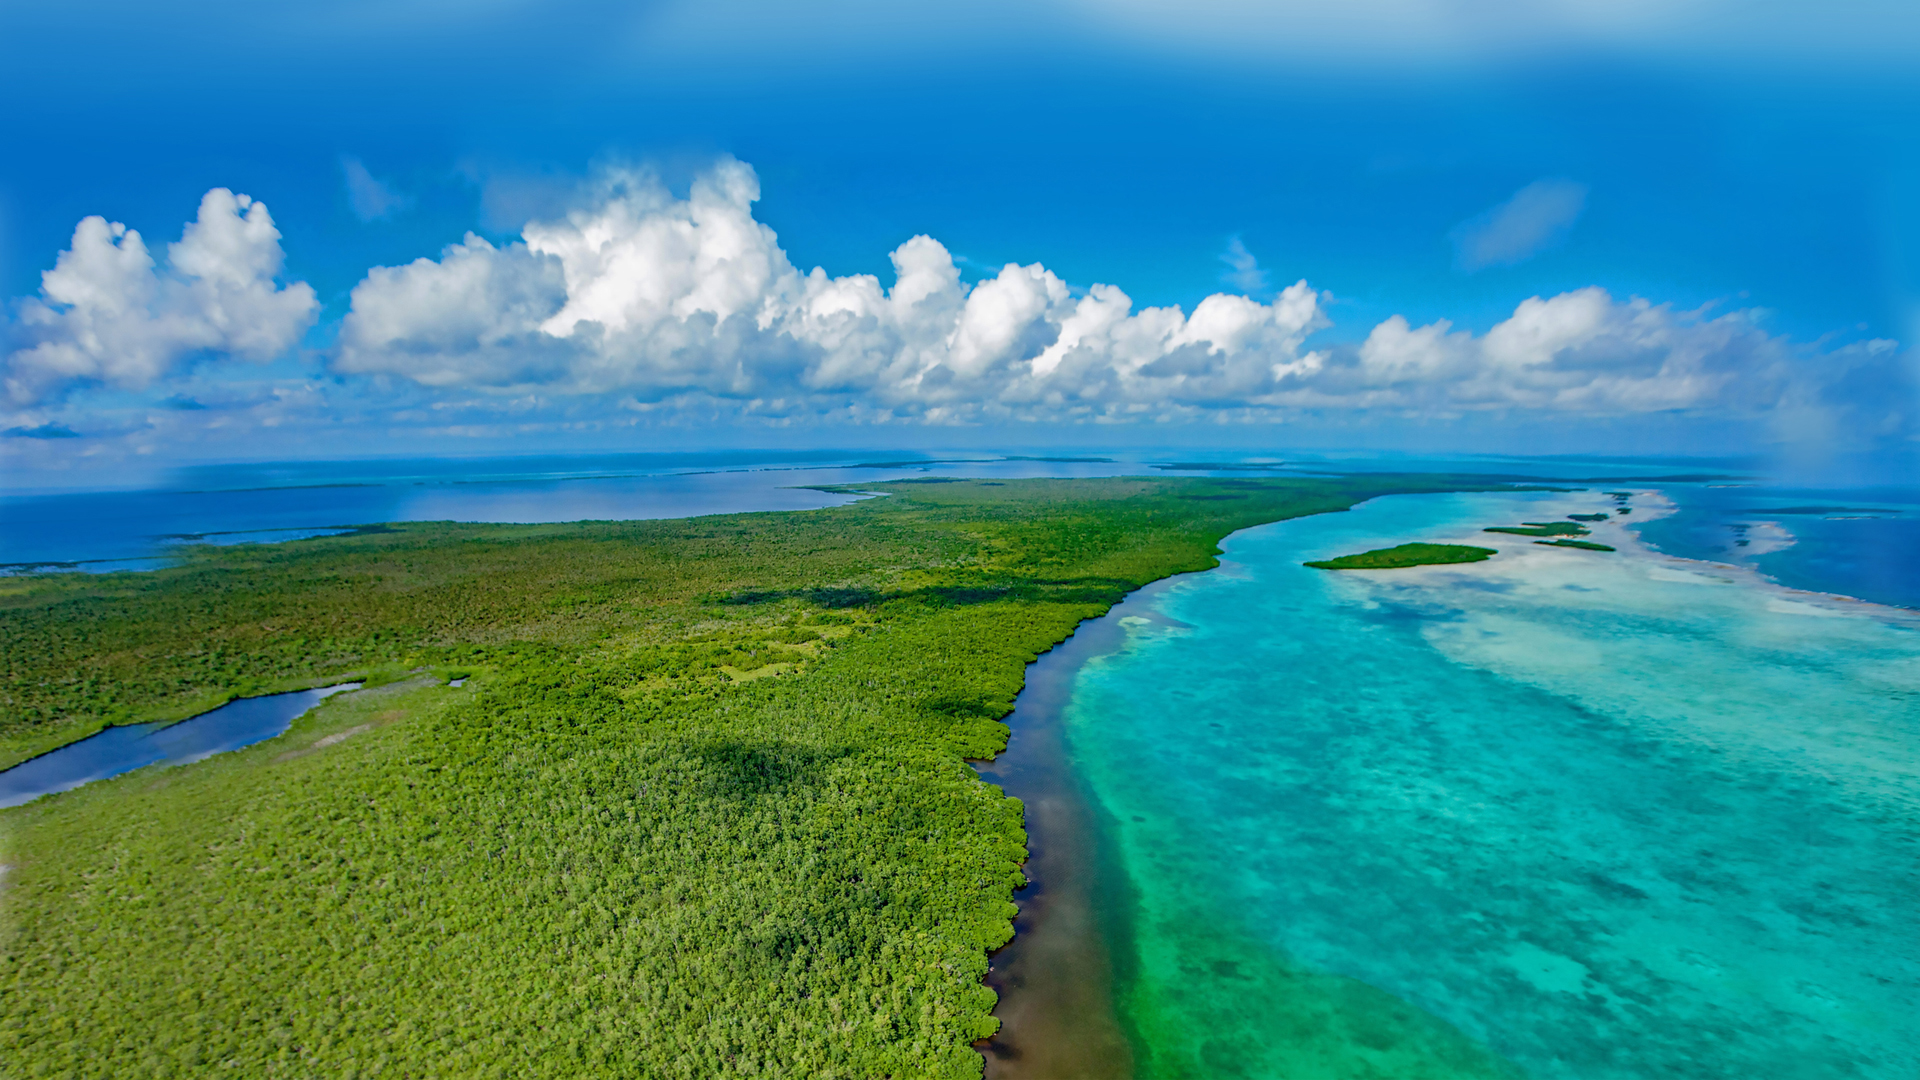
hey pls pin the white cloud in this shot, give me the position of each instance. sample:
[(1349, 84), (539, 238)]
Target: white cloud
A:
[(108, 314), (1243, 270), (472, 316), (1537, 217), (640, 302), (1580, 352), (657, 297), (648, 293), (371, 198)]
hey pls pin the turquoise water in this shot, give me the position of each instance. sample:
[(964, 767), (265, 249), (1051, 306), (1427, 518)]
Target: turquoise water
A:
[(1558, 814)]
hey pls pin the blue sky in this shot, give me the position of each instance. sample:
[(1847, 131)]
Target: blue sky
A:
[(1714, 208)]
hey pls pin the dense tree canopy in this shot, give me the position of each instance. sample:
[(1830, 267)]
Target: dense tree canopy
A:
[(702, 807)]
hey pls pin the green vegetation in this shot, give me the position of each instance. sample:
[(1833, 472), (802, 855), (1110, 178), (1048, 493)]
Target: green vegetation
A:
[(1542, 528), (1585, 545), (702, 809), (1589, 517), (1404, 555)]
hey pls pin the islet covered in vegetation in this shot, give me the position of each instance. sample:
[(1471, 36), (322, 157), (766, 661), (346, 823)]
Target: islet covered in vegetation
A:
[(1405, 555), (1541, 528)]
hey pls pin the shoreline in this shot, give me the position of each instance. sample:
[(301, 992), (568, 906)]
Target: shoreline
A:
[(678, 789), (159, 727), (1055, 977)]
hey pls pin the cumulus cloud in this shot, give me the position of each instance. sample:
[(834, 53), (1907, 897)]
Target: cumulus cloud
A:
[(1578, 352), (107, 313), (1537, 217), (651, 294), (370, 197), (657, 297), (471, 317)]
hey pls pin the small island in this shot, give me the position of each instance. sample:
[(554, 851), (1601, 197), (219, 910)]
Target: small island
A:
[(1541, 528), (1585, 545), (1395, 558)]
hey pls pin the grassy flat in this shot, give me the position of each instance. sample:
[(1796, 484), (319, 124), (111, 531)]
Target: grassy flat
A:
[(702, 807), (1405, 555)]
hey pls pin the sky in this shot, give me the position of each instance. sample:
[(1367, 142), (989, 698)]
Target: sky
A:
[(418, 227)]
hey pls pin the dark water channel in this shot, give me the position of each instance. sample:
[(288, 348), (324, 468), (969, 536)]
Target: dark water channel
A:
[(1056, 978), (122, 749)]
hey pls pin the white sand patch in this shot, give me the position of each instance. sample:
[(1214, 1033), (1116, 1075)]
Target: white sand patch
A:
[(1801, 607), (1548, 971), (341, 736), (1767, 537), (1659, 572)]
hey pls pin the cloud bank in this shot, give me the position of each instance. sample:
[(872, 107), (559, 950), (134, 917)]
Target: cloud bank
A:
[(641, 293), (644, 301)]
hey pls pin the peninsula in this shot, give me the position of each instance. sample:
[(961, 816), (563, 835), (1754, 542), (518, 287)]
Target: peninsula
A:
[(700, 805)]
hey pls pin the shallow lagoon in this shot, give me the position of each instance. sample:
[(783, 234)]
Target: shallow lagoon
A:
[(1560, 814)]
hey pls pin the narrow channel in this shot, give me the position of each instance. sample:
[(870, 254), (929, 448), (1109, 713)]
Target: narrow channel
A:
[(127, 747)]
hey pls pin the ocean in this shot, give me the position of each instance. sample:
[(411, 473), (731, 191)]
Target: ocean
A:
[(1563, 813)]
